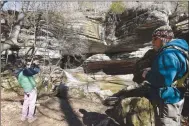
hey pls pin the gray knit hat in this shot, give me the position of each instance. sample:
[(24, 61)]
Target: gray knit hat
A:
[(165, 33)]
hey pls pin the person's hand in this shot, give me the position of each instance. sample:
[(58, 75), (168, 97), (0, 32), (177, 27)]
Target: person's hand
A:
[(36, 62), (145, 71), (111, 101)]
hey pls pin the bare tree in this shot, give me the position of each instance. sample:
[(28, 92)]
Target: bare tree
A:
[(11, 41)]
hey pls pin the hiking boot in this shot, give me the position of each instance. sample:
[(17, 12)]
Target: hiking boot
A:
[(23, 119), (30, 120)]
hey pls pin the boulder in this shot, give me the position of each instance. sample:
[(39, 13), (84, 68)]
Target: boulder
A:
[(133, 111)]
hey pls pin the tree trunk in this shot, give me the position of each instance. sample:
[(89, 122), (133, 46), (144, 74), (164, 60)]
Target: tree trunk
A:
[(12, 42), (115, 67)]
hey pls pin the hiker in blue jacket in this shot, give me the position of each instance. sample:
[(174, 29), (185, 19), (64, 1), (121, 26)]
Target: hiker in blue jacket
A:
[(166, 77)]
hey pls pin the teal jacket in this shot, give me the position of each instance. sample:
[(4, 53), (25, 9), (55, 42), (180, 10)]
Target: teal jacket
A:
[(169, 66), (26, 79), (26, 82)]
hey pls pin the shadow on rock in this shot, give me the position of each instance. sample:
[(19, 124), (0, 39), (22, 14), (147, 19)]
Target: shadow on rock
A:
[(97, 119), (70, 115)]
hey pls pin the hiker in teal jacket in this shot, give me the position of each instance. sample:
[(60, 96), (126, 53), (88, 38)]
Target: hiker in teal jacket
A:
[(26, 79), (27, 82), (170, 65)]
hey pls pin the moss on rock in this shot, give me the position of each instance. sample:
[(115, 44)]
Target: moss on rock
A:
[(134, 111)]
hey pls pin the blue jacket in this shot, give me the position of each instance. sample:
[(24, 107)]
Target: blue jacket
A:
[(27, 71), (31, 71), (168, 66)]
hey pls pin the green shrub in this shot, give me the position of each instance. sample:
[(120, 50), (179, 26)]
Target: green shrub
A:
[(117, 7)]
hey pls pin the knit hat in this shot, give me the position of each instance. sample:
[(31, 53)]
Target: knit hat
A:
[(165, 33)]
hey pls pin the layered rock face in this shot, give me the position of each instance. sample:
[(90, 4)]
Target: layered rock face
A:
[(76, 28)]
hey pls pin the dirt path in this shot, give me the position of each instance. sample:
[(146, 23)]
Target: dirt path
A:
[(54, 112)]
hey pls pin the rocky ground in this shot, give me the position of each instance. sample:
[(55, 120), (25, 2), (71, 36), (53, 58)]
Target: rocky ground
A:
[(77, 106), (54, 111)]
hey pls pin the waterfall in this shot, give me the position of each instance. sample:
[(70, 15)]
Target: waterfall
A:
[(73, 82)]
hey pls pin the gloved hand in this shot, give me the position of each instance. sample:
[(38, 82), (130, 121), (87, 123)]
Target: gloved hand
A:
[(33, 65), (111, 101), (145, 71)]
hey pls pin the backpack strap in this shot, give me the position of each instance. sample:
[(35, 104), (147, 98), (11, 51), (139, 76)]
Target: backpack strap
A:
[(178, 48)]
